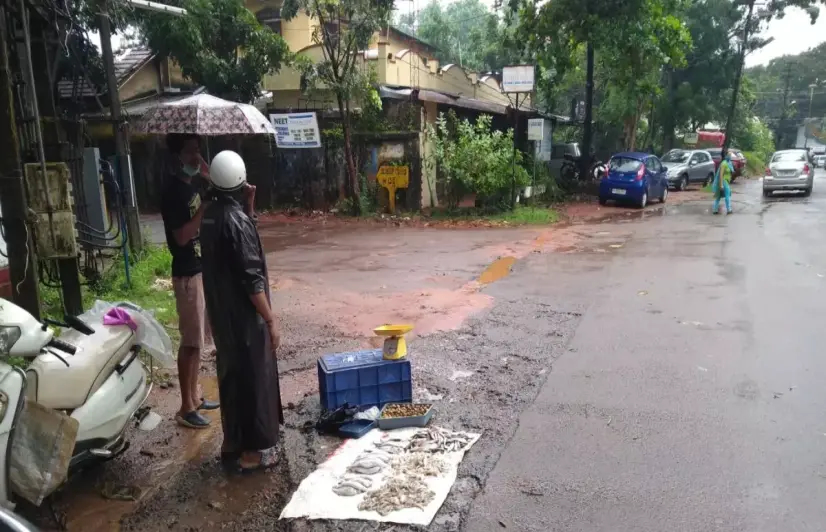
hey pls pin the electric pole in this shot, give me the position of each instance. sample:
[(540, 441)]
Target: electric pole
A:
[(19, 240), (736, 89), (123, 166), (585, 159), (784, 109)]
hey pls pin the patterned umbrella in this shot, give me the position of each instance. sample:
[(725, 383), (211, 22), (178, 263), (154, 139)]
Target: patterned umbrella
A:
[(204, 115)]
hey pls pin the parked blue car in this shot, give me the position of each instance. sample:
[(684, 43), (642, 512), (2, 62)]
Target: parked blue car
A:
[(634, 177)]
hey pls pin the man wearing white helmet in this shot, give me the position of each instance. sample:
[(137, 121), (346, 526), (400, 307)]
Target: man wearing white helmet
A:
[(245, 330)]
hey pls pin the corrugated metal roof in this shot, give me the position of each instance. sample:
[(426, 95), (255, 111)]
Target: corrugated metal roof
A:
[(124, 67)]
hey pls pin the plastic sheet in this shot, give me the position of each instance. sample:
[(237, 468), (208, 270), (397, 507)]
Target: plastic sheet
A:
[(152, 337), (41, 451)]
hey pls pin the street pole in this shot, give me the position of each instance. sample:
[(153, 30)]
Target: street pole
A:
[(783, 110), (809, 117), (19, 240), (738, 77), (513, 162), (589, 104), (123, 168)]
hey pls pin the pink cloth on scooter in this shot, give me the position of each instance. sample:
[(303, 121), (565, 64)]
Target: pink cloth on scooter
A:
[(118, 316)]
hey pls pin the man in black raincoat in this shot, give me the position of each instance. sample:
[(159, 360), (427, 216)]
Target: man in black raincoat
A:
[(246, 334)]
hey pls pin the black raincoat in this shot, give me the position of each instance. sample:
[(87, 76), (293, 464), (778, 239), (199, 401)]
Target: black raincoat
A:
[(234, 268)]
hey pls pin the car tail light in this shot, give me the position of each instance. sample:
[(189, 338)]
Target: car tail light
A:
[(768, 171), (805, 168), (640, 173)]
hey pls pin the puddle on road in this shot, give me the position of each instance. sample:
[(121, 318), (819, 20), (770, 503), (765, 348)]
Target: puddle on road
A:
[(498, 269), (86, 509)]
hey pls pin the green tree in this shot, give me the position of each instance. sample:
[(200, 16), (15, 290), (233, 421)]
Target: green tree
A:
[(752, 21), (633, 40), (218, 44), (472, 158), (464, 32), (344, 28)]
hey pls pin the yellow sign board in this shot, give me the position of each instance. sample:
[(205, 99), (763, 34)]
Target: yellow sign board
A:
[(394, 176), (391, 178)]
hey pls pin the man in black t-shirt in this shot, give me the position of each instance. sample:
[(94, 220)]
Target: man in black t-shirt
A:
[(182, 210)]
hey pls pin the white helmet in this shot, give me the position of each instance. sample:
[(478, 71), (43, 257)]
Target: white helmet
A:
[(228, 171)]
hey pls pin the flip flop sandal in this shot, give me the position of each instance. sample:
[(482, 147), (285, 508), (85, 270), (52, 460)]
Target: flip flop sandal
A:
[(192, 420), (269, 459), (208, 405)]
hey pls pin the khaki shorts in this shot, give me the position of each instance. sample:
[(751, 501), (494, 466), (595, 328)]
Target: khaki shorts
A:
[(189, 300)]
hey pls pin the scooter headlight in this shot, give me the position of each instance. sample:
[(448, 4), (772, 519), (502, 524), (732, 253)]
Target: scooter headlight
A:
[(8, 337)]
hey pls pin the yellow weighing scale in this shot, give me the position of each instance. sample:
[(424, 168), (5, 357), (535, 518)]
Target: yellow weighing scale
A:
[(395, 346)]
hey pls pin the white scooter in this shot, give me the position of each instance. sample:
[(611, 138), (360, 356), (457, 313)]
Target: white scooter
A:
[(92, 373)]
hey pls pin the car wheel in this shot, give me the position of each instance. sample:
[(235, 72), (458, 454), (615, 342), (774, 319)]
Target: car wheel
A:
[(807, 192), (603, 201), (643, 200), (683, 183), (664, 195), (708, 180), (767, 193)]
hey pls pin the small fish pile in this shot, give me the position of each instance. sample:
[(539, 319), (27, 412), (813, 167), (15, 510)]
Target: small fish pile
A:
[(397, 494), (439, 440), (351, 485), (370, 462), (392, 446), (418, 465)]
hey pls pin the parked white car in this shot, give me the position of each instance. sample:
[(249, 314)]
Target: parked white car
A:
[(789, 170)]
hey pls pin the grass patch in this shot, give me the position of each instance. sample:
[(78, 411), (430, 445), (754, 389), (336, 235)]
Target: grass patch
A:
[(528, 216), (153, 263), (522, 215)]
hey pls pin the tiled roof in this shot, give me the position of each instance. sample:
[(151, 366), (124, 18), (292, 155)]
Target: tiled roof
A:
[(124, 67)]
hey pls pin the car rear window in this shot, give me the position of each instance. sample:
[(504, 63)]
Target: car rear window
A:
[(624, 164), (789, 157)]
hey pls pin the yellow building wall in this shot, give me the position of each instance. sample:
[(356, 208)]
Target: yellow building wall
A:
[(144, 80)]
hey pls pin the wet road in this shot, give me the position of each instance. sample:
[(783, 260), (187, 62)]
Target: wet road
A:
[(653, 370), (691, 395)]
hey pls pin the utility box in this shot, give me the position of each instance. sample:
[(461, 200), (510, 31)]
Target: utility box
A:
[(364, 379), (92, 211), (55, 234)]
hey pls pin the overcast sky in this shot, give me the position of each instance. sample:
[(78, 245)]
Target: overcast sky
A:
[(792, 34)]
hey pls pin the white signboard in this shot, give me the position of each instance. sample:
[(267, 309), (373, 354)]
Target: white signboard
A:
[(536, 128), (517, 78), (298, 130), (542, 148), (691, 138)]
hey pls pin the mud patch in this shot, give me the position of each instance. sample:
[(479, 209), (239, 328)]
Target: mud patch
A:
[(499, 269)]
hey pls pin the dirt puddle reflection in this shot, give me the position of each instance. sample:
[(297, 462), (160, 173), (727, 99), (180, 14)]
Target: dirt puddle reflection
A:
[(153, 459), (498, 269)]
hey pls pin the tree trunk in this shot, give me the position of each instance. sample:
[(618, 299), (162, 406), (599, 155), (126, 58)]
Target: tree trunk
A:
[(352, 177)]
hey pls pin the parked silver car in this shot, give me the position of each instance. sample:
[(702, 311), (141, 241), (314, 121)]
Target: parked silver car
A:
[(688, 166), (789, 170)]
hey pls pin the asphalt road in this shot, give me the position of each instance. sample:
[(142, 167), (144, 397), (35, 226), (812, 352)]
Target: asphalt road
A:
[(691, 395)]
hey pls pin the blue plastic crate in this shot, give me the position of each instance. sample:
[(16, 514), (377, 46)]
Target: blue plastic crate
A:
[(363, 378)]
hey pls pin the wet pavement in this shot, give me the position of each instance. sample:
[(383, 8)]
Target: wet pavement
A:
[(629, 370)]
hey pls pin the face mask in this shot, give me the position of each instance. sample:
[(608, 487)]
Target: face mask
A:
[(191, 171)]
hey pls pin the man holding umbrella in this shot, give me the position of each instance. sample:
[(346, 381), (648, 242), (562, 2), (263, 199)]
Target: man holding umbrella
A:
[(246, 332), (182, 210)]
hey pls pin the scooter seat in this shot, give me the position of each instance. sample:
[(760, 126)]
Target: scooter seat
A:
[(54, 385)]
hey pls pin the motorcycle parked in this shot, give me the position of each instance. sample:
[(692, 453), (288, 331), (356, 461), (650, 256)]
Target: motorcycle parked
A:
[(92, 373)]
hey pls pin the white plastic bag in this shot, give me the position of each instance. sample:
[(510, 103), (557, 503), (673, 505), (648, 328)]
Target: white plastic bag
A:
[(151, 335)]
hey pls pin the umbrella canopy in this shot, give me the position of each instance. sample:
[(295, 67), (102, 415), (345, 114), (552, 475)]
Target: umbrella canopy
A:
[(204, 115)]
